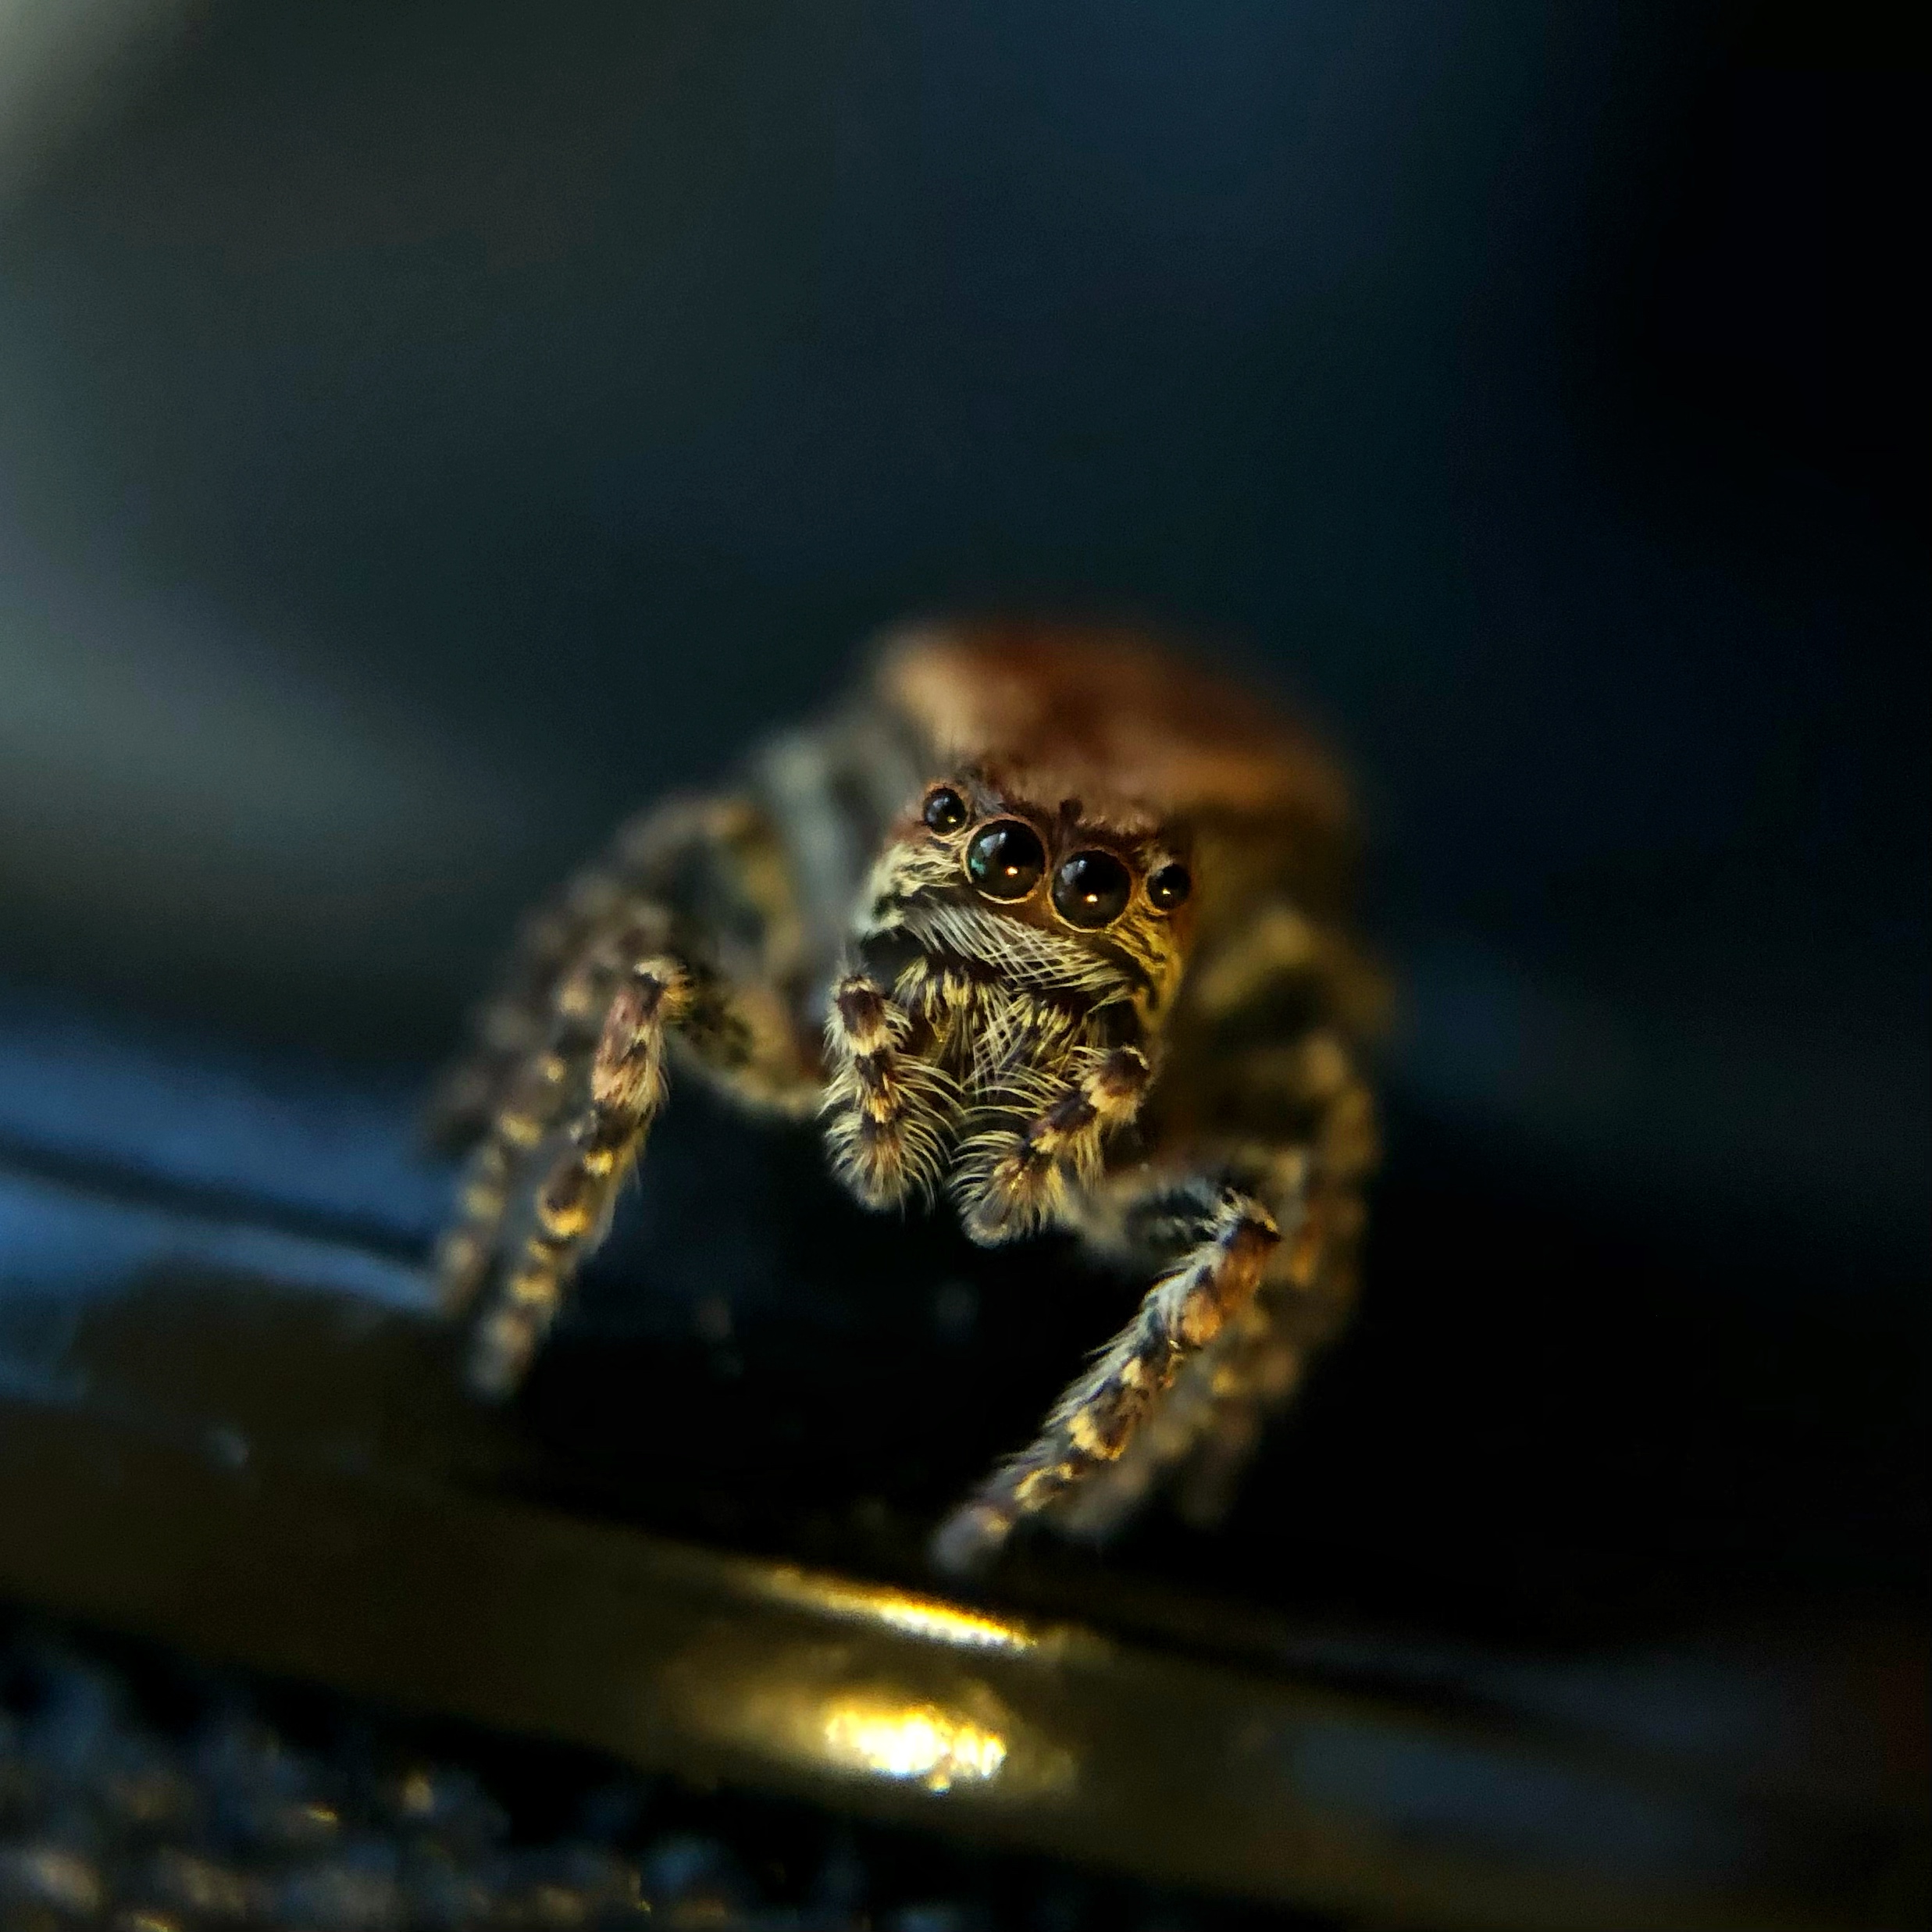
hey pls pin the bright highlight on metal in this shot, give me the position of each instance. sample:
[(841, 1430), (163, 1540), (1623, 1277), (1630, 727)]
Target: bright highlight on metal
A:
[(929, 1617), (920, 1743)]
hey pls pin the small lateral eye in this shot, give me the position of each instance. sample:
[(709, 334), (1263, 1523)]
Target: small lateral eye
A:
[(945, 810), (1092, 889), (1005, 859), (1169, 886)]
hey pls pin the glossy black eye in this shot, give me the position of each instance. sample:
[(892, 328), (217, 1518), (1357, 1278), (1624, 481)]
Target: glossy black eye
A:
[(945, 810), (1005, 859), (1092, 889), (1169, 887)]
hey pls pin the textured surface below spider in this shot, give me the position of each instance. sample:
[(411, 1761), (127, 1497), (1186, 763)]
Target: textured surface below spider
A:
[(140, 1792), (1047, 921)]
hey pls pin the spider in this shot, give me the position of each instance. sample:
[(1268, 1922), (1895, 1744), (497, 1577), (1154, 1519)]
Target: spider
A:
[(1045, 920)]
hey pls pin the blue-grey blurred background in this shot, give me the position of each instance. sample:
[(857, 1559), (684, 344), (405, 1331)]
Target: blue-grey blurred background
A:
[(428, 431)]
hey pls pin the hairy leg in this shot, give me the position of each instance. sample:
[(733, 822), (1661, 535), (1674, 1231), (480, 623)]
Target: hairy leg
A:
[(727, 841), (1017, 1177), (1281, 955), (567, 1185), (674, 880), (569, 1207), (1214, 1416), (888, 1107), (1227, 1237), (1301, 1308), (533, 1099)]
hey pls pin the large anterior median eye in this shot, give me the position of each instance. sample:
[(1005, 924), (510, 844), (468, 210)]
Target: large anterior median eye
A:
[(1092, 889), (1005, 859)]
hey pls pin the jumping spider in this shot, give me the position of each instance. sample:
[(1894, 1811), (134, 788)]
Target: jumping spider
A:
[(1046, 919)]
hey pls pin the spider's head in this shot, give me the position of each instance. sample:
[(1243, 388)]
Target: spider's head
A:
[(998, 875)]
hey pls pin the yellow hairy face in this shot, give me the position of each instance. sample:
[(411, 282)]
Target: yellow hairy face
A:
[(1042, 896)]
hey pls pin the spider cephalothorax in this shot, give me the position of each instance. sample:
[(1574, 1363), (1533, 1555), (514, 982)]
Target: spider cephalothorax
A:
[(1045, 922)]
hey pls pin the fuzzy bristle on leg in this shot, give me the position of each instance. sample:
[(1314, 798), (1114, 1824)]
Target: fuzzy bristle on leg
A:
[(627, 1087), (532, 1106), (1093, 1424), (1019, 1181), (729, 837), (887, 1109)]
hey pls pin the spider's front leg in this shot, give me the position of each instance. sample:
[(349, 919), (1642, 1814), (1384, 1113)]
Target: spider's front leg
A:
[(570, 1206), (1198, 1428), (1023, 1175), (1229, 1237), (706, 954), (728, 840), (888, 1107)]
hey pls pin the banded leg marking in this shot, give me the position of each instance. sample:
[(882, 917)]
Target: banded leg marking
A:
[(640, 865), (1022, 1180), (534, 1101), (1305, 1302), (573, 1203), (886, 1105), (1096, 1419), (1209, 1424)]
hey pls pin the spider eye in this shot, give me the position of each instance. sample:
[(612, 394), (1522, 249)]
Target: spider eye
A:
[(1092, 889), (1005, 859), (1169, 887), (945, 810)]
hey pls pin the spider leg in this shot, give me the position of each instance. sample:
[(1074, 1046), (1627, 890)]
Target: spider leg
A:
[(1301, 1306), (533, 1099), (1228, 1236), (570, 1206), (723, 944), (1017, 1178), (688, 872), (1278, 951), (888, 1107), (567, 1184), (1214, 1416), (515, 1021)]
